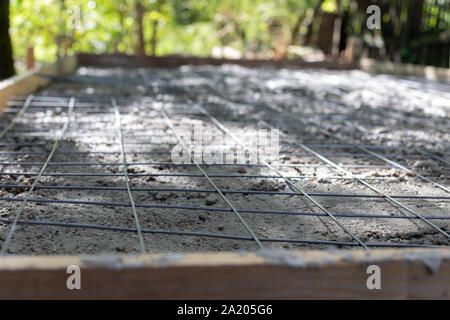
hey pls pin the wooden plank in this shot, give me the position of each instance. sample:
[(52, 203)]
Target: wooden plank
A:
[(127, 61), (430, 73), (28, 82), (368, 65), (405, 274)]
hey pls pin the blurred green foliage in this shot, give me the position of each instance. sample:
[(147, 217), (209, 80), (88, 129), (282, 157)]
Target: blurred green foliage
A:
[(184, 26), (192, 27)]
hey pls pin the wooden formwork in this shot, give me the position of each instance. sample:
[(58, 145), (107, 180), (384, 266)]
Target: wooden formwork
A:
[(270, 274), (342, 274), (368, 65), (429, 73), (121, 60), (29, 82)]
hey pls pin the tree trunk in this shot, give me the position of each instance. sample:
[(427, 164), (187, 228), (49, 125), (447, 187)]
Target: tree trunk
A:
[(6, 54), (414, 22), (308, 37), (154, 40), (140, 45), (296, 29), (154, 37)]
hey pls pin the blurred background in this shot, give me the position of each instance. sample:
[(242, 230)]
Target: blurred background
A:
[(412, 31)]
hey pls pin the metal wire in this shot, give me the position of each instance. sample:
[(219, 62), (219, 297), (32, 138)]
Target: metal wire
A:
[(22, 144), (305, 155), (215, 175), (125, 173), (379, 156), (215, 209), (316, 146), (281, 193), (431, 156), (215, 235), (252, 233), (18, 116), (155, 163)]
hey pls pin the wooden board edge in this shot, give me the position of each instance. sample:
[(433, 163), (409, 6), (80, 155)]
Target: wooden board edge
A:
[(173, 61), (270, 274), (400, 69), (28, 82)]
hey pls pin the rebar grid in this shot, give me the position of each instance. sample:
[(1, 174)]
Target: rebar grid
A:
[(29, 103), (5, 244)]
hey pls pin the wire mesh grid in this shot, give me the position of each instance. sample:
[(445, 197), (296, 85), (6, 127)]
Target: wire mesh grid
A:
[(85, 174)]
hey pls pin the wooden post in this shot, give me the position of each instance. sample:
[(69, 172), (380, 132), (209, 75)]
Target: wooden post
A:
[(30, 58), (325, 39), (350, 48), (337, 30), (336, 36)]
